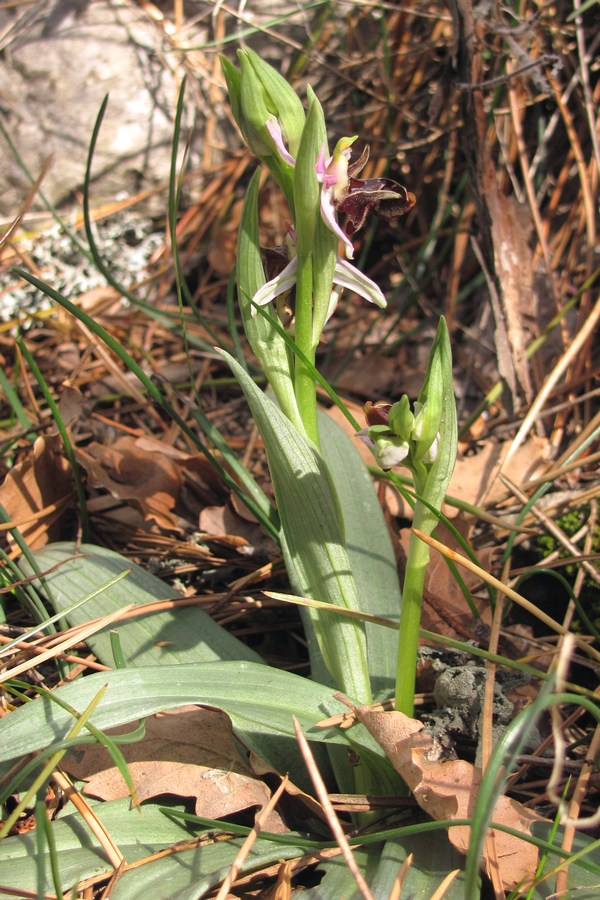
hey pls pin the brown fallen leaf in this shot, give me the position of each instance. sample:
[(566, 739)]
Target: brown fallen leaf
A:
[(149, 480), (445, 609), (475, 477), (188, 752), (43, 481), (223, 525), (447, 789)]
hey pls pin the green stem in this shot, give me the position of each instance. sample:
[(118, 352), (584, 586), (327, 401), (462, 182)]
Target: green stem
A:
[(410, 616), (410, 620), (304, 383)]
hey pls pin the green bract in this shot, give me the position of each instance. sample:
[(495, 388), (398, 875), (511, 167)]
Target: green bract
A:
[(282, 99)]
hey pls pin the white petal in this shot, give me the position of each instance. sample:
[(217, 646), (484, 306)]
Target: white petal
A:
[(329, 217), (279, 285), (391, 456), (334, 299), (348, 276)]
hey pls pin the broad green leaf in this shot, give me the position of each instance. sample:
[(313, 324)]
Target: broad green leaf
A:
[(337, 880), (312, 537), (175, 636), (433, 858), (138, 833), (369, 549), (191, 874), (259, 700)]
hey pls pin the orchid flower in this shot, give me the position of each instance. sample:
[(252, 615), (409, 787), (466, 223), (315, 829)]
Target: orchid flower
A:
[(339, 190), (345, 276), (343, 192)]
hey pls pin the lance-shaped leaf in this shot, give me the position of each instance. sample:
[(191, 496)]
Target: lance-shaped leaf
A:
[(313, 538), (369, 549)]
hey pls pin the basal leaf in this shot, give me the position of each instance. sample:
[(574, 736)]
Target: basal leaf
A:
[(368, 546), (139, 833), (313, 539), (180, 635), (259, 700)]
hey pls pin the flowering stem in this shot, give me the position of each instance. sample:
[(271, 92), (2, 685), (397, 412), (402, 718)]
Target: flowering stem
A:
[(410, 620), (412, 599), (304, 383)]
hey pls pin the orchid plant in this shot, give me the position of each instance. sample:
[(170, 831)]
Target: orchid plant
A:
[(328, 204)]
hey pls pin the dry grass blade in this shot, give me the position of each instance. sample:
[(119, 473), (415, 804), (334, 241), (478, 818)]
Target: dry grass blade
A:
[(512, 595), (440, 892), (250, 840), (95, 825), (396, 891), (554, 530), (12, 228), (574, 349), (332, 819), (80, 635)]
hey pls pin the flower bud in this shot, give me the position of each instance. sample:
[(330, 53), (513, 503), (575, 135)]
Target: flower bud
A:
[(254, 111), (401, 419), (280, 97)]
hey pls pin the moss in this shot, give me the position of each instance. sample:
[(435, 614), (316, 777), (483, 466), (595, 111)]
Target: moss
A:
[(570, 523)]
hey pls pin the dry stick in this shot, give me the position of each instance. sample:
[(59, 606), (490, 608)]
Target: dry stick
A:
[(560, 471), (68, 657), (487, 741), (584, 59), (329, 811), (585, 436), (250, 840), (554, 530), (571, 821), (12, 228), (512, 595), (529, 188), (586, 192), (571, 353)]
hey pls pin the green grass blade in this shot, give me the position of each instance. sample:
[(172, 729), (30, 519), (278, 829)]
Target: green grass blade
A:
[(64, 434), (251, 495)]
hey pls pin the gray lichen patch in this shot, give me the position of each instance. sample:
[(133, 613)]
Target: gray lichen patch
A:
[(459, 692), (126, 243)]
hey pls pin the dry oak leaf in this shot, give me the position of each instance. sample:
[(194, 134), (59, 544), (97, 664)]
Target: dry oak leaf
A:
[(146, 478), (447, 789), (475, 477), (188, 752), (42, 481)]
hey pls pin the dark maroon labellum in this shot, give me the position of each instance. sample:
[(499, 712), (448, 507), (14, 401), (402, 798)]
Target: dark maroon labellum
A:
[(376, 413), (382, 196)]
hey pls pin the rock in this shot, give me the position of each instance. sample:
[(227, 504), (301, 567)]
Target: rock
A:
[(60, 58)]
